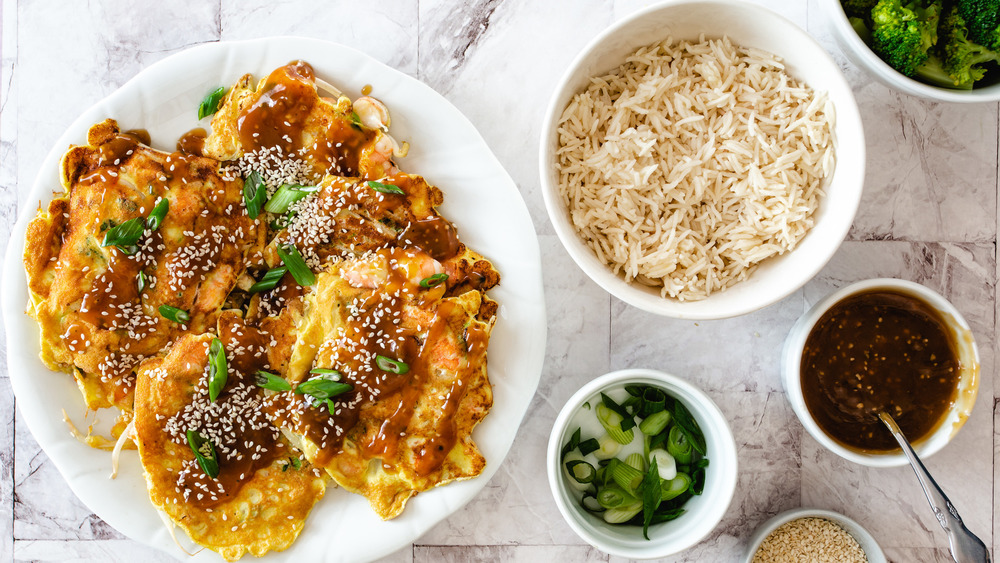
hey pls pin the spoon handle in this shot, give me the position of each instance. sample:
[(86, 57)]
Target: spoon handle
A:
[(965, 546)]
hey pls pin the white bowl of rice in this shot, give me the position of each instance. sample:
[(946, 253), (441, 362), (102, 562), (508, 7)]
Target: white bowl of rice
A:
[(702, 159), (814, 535)]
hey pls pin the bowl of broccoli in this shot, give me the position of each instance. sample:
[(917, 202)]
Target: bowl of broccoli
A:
[(946, 50)]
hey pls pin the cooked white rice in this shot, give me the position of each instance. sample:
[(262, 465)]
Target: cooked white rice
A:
[(692, 162)]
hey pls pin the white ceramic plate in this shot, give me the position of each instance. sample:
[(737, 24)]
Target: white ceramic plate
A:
[(480, 198)]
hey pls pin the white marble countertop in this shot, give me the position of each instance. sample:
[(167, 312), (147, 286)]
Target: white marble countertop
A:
[(929, 214)]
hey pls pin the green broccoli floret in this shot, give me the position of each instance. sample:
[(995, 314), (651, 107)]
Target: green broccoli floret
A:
[(983, 19), (902, 34), (962, 59)]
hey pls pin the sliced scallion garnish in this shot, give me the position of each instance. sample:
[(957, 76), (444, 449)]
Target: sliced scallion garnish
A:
[(140, 281), (254, 194), (331, 374), (320, 388), (581, 471), (650, 496), (204, 452), (679, 447), (210, 104), (588, 446), (286, 195), (612, 423), (218, 370), (270, 279), (124, 235), (385, 188), (157, 214), (271, 382), (574, 441), (655, 423), (390, 365), (174, 314), (431, 281), (291, 257), (687, 424)]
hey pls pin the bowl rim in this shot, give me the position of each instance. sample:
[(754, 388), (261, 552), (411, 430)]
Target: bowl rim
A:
[(703, 406), (791, 379), (871, 63), (847, 112), (873, 551)]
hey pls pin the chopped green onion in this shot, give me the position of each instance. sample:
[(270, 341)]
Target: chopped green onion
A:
[(204, 452), (333, 374), (614, 496), (627, 420), (590, 504), (698, 477), (390, 365), (218, 370), (355, 119), (637, 461), (581, 471), (210, 104), (254, 194), (655, 423), (271, 382), (124, 235), (385, 188), (653, 401), (320, 388), (650, 496), (128, 250), (174, 314), (157, 214), (588, 446), (286, 195), (431, 281), (667, 515), (608, 447), (574, 441), (622, 513), (626, 476), (689, 426), (612, 423), (675, 487), (270, 279), (141, 281), (296, 462), (665, 462), (296, 265), (679, 447)]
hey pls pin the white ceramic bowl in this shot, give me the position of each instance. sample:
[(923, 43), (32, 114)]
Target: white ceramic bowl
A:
[(748, 25), (703, 511), (953, 420), (864, 539), (861, 55)]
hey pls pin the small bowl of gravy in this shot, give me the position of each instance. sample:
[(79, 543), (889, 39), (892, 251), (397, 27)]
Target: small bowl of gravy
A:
[(881, 344)]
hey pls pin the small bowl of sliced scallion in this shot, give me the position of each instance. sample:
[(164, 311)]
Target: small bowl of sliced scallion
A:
[(641, 463)]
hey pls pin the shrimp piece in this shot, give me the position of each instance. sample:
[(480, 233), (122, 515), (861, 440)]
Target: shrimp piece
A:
[(374, 271), (372, 112)]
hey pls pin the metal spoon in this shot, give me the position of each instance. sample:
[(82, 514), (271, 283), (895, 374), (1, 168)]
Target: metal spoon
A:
[(965, 546)]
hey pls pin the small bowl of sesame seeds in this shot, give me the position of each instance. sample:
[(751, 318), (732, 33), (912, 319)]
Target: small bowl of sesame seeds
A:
[(809, 534)]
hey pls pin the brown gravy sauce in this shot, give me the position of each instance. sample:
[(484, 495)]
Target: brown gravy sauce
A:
[(280, 114), (874, 351)]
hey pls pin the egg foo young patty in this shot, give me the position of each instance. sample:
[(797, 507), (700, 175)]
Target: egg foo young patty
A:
[(97, 319), (287, 308), (691, 163)]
